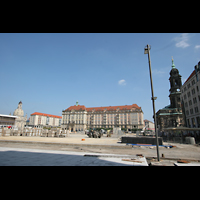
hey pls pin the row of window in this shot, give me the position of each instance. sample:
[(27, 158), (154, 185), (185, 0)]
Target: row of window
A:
[(193, 122), (101, 122), (193, 92), (190, 102), (188, 86), (77, 121), (72, 116), (196, 110), (96, 117)]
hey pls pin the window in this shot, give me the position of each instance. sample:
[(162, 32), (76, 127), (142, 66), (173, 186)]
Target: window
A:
[(190, 102), (191, 111), (193, 91), (194, 100), (188, 122), (185, 96), (188, 85), (188, 94), (187, 112), (184, 89), (193, 122), (198, 121), (186, 104), (196, 109), (193, 82), (47, 122), (197, 88)]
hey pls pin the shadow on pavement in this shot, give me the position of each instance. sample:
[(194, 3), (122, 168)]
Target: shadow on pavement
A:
[(23, 158)]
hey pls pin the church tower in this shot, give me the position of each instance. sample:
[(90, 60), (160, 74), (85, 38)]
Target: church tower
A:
[(20, 120), (172, 115), (175, 86)]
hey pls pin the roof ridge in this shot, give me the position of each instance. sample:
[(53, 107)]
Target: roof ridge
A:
[(114, 106), (190, 76), (44, 114), (102, 107)]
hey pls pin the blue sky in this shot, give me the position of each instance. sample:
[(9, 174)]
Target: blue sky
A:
[(49, 72)]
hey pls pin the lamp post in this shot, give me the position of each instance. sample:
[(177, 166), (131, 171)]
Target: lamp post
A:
[(147, 51)]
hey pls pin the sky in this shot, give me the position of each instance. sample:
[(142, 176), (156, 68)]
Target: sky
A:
[(49, 72)]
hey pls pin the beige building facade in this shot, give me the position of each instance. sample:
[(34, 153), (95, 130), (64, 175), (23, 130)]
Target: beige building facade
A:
[(149, 125), (190, 96), (7, 120), (38, 119), (79, 118)]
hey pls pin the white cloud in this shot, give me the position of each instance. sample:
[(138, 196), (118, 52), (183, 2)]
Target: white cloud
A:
[(182, 40), (159, 72), (197, 47), (122, 82)]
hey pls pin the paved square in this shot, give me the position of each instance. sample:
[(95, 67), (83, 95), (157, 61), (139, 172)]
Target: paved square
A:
[(38, 157)]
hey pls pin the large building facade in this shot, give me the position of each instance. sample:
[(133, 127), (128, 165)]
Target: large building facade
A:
[(149, 125), (172, 115), (38, 119), (7, 120), (78, 117), (190, 97)]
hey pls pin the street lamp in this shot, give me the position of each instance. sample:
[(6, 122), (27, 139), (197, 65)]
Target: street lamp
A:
[(147, 51)]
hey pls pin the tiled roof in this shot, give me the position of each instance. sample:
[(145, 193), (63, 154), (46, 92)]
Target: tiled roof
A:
[(191, 75), (147, 121), (110, 108), (48, 115), (79, 107)]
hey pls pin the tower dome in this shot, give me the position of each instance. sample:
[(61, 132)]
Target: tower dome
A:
[(19, 112), (174, 71)]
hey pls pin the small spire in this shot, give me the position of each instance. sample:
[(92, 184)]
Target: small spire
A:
[(173, 65), (77, 103)]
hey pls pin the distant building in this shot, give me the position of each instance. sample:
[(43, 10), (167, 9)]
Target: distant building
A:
[(7, 120), (149, 125), (172, 115), (78, 117), (27, 122), (20, 121), (190, 97), (41, 119)]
